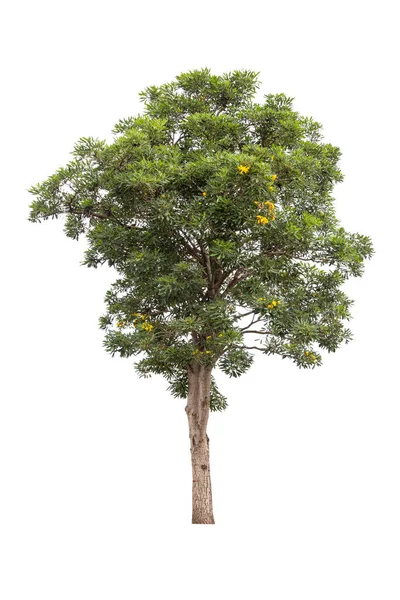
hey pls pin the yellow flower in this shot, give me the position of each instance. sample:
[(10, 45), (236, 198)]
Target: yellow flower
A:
[(220, 335), (272, 157), (270, 306), (271, 188), (274, 177), (243, 169), (208, 351), (270, 205), (120, 324), (208, 337), (261, 220), (306, 353), (204, 194), (147, 326)]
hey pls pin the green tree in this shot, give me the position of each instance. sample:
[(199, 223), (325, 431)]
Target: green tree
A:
[(216, 212)]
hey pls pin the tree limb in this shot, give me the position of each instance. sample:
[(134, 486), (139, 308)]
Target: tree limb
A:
[(190, 248), (207, 264), (243, 315), (252, 348), (239, 276), (94, 215), (255, 331)]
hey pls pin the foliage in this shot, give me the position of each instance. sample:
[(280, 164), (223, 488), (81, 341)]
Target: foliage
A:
[(217, 214)]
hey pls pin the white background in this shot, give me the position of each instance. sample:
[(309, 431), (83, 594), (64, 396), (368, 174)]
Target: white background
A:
[(95, 468)]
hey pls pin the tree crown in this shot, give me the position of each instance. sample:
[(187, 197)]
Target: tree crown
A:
[(217, 214)]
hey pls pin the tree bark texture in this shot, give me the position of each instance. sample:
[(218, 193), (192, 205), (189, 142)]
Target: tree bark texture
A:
[(197, 410)]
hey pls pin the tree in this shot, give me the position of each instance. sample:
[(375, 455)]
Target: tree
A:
[(216, 212)]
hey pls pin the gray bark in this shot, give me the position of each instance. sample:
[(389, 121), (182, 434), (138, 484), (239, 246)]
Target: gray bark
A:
[(197, 410)]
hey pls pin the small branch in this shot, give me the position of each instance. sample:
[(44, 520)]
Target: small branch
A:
[(179, 138), (256, 331), (252, 348), (93, 215), (221, 279), (244, 315), (207, 264), (232, 283), (292, 256), (239, 276), (276, 253), (189, 247), (316, 260), (252, 323)]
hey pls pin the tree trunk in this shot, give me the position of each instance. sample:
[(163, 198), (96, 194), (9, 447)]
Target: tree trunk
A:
[(197, 410)]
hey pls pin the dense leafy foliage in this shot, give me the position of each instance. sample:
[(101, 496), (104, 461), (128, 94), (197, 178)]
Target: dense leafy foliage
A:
[(217, 214)]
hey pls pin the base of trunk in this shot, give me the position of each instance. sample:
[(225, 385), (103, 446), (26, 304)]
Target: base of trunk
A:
[(203, 520), (201, 485)]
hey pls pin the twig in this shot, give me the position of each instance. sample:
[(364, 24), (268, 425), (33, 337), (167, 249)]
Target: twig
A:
[(243, 315), (255, 331), (252, 348)]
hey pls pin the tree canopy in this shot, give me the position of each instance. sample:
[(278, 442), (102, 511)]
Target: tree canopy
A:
[(218, 216)]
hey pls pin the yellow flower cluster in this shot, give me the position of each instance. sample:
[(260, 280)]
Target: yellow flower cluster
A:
[(271, 208), (243, 169), (310, 355), (274, 303), (274, 177), (145, 325), (261, 220), (197, 352)]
